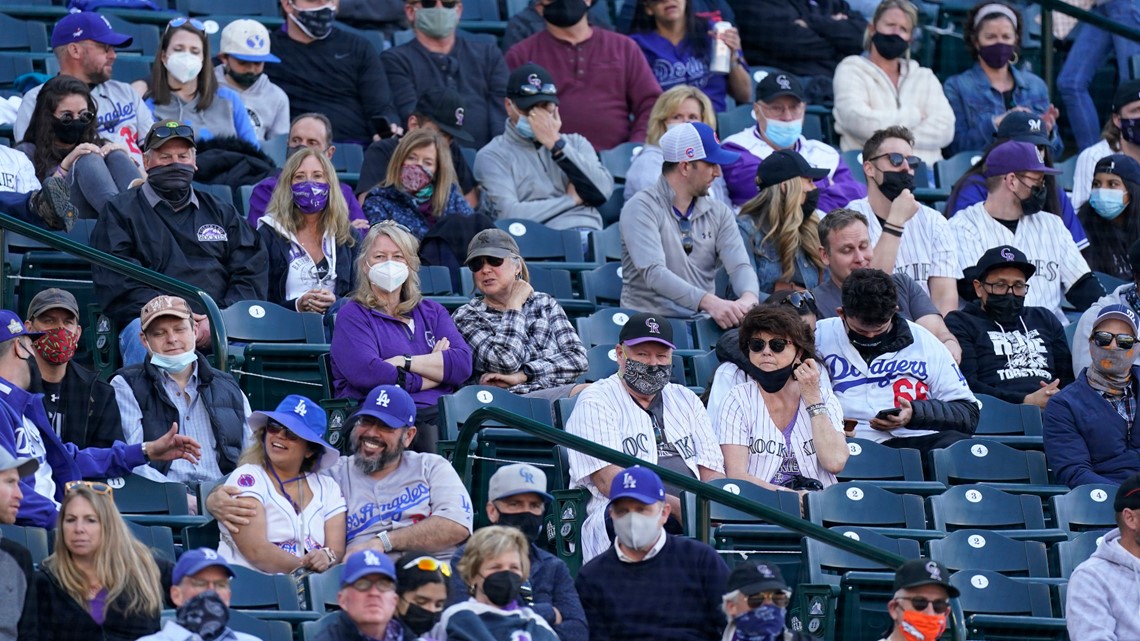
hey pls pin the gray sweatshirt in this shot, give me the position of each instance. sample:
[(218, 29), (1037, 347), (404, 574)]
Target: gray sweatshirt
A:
[(524, 182), (657, 275), (1103, 602), (265, 102)]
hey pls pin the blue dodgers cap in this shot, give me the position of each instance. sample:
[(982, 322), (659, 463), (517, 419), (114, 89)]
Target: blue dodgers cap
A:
[(1119, 312), (194, 561), (1013, 157), (11, 326), (85, 25), (360, 564), (637, 483), (304, 418), (391, 405), (693, 141)]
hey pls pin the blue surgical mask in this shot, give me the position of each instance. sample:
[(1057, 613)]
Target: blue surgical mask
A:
[(173, 364), (1107, 202), (524, 128), (784, 134)]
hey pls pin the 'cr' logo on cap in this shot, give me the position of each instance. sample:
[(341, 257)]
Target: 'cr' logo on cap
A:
[(459, 117), (526, 475), (932, 569), (654, 328), (1007, 253), (783, 81), (534, 80)]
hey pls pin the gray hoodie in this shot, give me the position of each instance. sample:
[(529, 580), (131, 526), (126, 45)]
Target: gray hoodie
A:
[(1103, 602), (265, 102)]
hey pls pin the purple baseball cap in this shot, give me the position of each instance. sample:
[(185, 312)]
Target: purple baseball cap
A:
[(1013, 157), (85, 25)]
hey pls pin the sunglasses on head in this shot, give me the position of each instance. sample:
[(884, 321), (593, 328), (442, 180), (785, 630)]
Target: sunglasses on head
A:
[(476, 264), (193, 22), (896, 159), (163, 133), (757, 345), (1104, 339), (800, 300), (278, 429), (428, 564), (531, 90), (920, 603), (84, 117), (94, 486), (391, 223)]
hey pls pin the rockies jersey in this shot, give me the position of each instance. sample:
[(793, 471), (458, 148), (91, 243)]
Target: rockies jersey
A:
[(1083, 172), (606, 414), (927, 247), (922, 370), (1046, 243)]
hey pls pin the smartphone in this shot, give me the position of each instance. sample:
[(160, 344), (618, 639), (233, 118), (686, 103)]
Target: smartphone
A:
[(883, 414), (382, 127)]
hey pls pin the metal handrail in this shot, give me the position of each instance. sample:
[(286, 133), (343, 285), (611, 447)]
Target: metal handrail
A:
[(118, 265), (704, 492)]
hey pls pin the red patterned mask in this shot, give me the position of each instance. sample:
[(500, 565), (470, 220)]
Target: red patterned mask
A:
[(57, 346)]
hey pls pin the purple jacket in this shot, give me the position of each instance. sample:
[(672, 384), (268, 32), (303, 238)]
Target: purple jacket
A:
[(263, 191), (364, 337)]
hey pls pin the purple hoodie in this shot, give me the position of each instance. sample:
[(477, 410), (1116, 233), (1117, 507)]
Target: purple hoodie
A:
[(364, 337)]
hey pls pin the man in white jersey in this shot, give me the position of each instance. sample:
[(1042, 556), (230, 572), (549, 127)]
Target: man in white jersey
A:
[(891, 375), (84, 44), (639, 412), (908, 237), (397, 500), (1011, 215)]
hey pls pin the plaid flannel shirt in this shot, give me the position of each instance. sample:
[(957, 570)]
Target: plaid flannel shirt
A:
[(539, 340)]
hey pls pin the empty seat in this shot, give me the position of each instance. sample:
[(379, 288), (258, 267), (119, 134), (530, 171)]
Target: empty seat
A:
[(972, 549), (867, 505), (1085, 508), (1012, 424), (895, 469), (983, 461), (455, 408), (1076, 551), (618, 160), (980, 506), (998, 608)]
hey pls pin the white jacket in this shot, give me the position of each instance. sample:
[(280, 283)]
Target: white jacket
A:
[(866, 101)]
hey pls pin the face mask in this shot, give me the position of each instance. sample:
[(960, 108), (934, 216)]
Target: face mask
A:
[(502, 588), (1004, 308), (173, 364), (524, 128), (526, 522), (205, 615), (57, 346), (997, 56), (564, 13), (645, 379), (389, 276), (311, 197), (765, 623), (1107, 202), (316, 23), (183, 66), (811, 202), (874, 345), (1035, 201), (920, 626), (172, 182), (1130, 130), (637, 531), (894, 182), (889, 46), (414, 177), (243, 79), (775, 380), (784, 134), (70, 133), (1115, 362), (420, 619), (437, 22)]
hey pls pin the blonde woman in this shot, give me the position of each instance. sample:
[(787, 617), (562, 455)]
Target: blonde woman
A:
[(680, 104), (780, 224), (420, 187), (307, 235), (884, 87), (389, 334), (100, 582)]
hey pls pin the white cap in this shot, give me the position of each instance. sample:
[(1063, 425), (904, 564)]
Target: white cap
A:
[(247, 40), (692, 141)]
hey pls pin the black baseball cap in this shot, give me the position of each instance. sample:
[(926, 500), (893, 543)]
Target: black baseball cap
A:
[(755, 578), (1023, 127), (645, 327), (530, 85), (1128, 494), (1003, 256), (445, 108), (779, 83), (919, 572), (785, 164), (1119, 165), (1127, 92)]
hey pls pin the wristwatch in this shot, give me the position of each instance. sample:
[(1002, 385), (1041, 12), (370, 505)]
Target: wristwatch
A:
[(385, 541), (408, 362)]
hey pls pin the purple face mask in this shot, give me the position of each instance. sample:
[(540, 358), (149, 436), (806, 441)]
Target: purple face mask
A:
[(311, 197)]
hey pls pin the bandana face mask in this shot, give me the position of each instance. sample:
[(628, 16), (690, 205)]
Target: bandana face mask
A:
[(57, 346)]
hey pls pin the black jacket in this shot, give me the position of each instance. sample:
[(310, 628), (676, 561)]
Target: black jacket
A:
[(775, 40), (277, 250), (61, 618), (341, 628), (233, 162), (1010, 362), (90, 413)]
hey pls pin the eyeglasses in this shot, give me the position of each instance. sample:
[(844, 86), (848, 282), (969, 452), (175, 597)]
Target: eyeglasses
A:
[(920, 603), (221, 585), (896, 159), (800, 300), (686, 234), (476, 264), (391, 223), (430, 4), (1104, 339), (384, 584), (1001, 289), (779, 598), (1040, 182), (531, 90), (279, 429), (162, 133), (428, 564), (84, 117), (757, 345), (193, 22), (94, 486)]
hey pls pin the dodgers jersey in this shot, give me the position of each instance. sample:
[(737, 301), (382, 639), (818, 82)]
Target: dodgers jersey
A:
[(123, 116), (927, 247), (1046, 243), (920, 371)]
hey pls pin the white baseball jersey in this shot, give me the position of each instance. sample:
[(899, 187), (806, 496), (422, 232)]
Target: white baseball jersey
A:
[(922, 370), (606, 414), (295, 533), (727, 377), (1083, 172), (927, 247), (1044, 239), (17, 172), (744, 420)]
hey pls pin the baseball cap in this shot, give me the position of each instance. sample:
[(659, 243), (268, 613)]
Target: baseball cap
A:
[(23, 466), (389, 404), (11, 326), (1128, 494), (247, 40), (164, 306), (194, 561), (86, 25), (166, 130), (304, 418), (785, 164), (445, 108), (52, 298), (694, 141), (755, 578), (529, 85), (1003, 256), (637, 483), (1119, 312), (360, 564), (919, 572), (1013, 157), (1023, 127), (645, 327), (778, 83), (1127, 92), (518, 478), (493, 242), (1119, 165)]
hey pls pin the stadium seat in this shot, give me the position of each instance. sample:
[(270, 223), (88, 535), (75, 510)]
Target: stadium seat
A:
[(223, 193), (707, 333), (867, 505), (556, 248), (611, 209), (618, 160), (602, 286), (896, 469), (23, 35), (322, 588), (145, 37), (1109, 282), (35, 539), (1076, 551), (272, 371), (436, 284), (607, 244), (248, 8), (947, 172), (972, 549), (256, 321), (603, 363), (998, 608), (978, 460), (603, 327), (12, 67), (259, 628), (1068, 171), (563, 407), (158, 538), (455, 408), (206, 535), (348, 159), (735, 121), (1012, 424), (131, 68), (149, 502), (854, 161), (704, 368), (276, 148), (981, 506), (1085, 508), (267, 596)]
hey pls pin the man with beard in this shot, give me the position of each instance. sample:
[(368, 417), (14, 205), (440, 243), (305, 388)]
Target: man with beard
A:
[(397, 500)]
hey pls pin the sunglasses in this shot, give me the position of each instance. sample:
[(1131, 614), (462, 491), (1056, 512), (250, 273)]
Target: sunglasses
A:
[(278, 429), (757, 345), (428, 564), (161, 133), (896, 159), (531, 90), (430, 4), (1104, 339), (920, 603), (801, 300), (779, 598), (384, 584), (193, 22), (686, 234), (84, 117), (476, 264), (94, 486), (391, 223)]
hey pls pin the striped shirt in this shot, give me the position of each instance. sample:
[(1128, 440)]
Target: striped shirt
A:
[(927, 248)]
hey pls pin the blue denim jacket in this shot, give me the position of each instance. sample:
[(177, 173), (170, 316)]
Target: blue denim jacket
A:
[(975, 103), (766, 260)]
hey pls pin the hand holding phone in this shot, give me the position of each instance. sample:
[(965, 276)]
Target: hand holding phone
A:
[(893, 411)]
